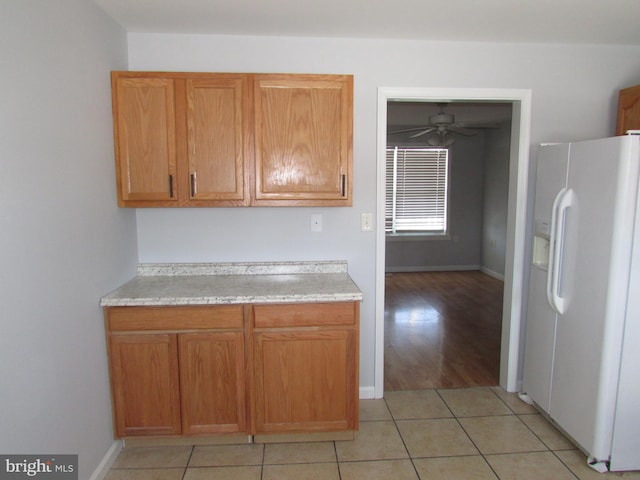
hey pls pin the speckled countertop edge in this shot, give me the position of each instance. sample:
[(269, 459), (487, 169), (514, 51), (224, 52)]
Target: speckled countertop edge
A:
[(232, 283), (242, 268)]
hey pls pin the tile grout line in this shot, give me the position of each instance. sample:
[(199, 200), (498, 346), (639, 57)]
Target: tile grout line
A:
[(565, 465), (484, 458), (186, 467), (335, 451), (548, 448), (404, 444), (536, 412), (458, 419), (514, 414), (264, 451)]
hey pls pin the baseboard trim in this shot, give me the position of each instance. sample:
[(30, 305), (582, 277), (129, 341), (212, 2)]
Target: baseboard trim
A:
[(367, 393), (491, 273), (107, 461), (440, 268)]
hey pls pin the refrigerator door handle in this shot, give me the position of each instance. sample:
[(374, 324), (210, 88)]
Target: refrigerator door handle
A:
[(562, 202)]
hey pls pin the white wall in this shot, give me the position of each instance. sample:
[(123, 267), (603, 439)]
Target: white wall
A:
[(574, 97), (63, 242)]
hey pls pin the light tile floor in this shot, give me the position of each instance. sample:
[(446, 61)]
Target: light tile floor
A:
[(453, 434)]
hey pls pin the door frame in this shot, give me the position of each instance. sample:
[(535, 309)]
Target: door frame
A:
[(514, 275)]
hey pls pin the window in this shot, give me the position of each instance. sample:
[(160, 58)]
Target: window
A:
[(416, 190)]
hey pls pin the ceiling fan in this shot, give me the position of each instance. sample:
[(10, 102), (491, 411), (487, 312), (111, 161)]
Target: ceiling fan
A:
[(441, 128)]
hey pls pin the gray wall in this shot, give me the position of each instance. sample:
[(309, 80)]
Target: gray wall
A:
[(63, 242), (463, 249), (496, 190), (478, 212)]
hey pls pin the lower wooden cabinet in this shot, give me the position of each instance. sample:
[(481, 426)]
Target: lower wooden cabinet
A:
[(305, 367), (302, 383), (208, 370), (178, 383), (212, 383), (145, 379)]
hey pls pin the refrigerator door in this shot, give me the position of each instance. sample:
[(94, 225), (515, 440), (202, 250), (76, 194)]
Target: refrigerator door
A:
[(625, 451), (593, 284), (551, 178)]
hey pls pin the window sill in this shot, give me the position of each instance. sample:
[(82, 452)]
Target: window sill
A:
[(416, 237)]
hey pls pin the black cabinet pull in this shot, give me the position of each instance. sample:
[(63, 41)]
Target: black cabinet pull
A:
[(344, 185), (193, 185), (170, 186)]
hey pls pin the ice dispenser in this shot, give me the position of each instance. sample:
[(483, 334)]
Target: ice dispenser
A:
[(541, 243)]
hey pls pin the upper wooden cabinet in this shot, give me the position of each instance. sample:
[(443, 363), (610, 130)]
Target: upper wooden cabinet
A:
[(628, 110), (145, 139), (181, 139), (220, 139), (303, 137)]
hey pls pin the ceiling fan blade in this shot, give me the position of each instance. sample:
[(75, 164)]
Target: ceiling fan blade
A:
[(477, 125), (424, 132), (414, 129), (462, 131)]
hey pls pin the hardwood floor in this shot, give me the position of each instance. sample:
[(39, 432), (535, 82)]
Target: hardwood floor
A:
[(442, 330)]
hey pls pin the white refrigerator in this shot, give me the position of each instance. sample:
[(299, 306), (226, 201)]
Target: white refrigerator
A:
[(582, 344)]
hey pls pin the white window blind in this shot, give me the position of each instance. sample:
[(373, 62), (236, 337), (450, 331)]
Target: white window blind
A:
[(416, 190)]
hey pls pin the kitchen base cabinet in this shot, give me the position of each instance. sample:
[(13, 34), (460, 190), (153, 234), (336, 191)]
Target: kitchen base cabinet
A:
[(212, 383), (144, 372), (181, 371), (305, 367), (302, 381), (187, 381)]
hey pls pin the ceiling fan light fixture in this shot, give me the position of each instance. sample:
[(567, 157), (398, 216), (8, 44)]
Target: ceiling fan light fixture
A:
[(437, 139), (442, 118)]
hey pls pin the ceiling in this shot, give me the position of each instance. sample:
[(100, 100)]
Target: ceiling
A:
[(546, 21), (401, 115)]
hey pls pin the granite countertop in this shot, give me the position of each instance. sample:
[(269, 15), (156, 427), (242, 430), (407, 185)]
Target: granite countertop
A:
[(229, 283)]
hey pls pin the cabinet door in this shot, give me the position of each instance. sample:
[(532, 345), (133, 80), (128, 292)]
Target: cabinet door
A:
[(212, 382), (217, 111), (145, 138), (628, 110), (303, 139), (305, 381), (145, 379)]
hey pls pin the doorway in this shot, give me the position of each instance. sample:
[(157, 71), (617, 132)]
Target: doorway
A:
[(516, 216), (445, 249)]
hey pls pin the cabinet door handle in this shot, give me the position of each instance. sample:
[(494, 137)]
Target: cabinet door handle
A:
[(170, 186), (193, 185), (343, 187)]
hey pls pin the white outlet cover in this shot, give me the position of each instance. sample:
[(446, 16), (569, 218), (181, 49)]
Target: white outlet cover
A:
[(316, 222), (366, 222)]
